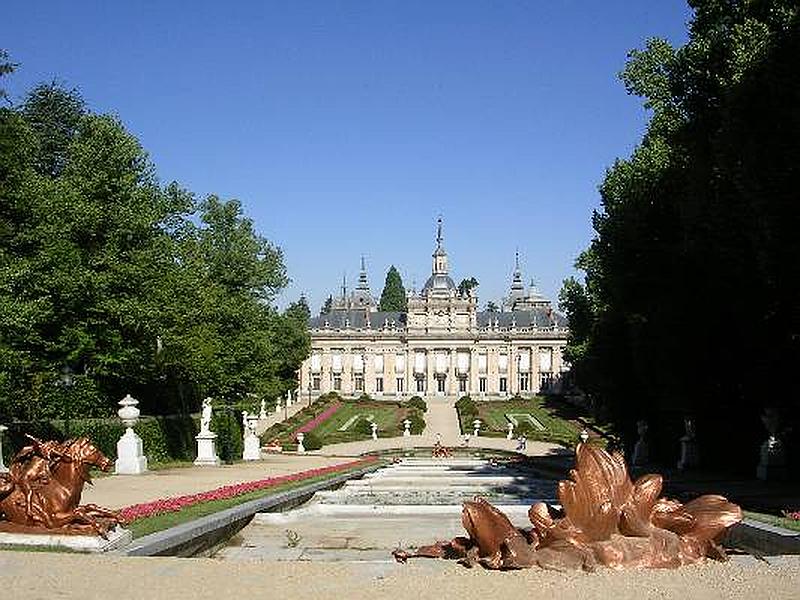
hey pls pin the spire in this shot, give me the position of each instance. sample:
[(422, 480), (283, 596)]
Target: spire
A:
[(344, 286), (439, 235), (363, 284), (516, 282)]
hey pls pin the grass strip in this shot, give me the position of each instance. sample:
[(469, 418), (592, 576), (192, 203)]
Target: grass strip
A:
[(785, 522), (148, 525)]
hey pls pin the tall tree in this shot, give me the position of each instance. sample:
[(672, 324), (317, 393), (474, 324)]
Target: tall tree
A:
[(6, 67), (695, 238), (393, 297), (327, 306)]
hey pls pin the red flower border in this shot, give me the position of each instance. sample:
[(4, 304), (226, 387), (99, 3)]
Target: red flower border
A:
[(177, 503), (320, 418)]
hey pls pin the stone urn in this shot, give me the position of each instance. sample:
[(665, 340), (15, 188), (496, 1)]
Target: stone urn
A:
[(300, 448), (406, 430), (130, 452), (476, 427), (510, 434), (374, 427)]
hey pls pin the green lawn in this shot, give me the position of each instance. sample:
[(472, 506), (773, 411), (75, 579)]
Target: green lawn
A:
[(387, 415), (495, 424), (784, 522)]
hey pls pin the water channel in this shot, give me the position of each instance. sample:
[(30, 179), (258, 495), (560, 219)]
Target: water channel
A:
[(407, 504)]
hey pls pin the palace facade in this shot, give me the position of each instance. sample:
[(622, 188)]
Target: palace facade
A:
[(442, 346)]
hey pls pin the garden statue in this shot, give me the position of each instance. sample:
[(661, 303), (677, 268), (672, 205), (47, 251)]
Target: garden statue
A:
[(689, 455), (641, 450), (262, 413), (251, 443), (3, 468), (41, 493), (773, 456), (206, 439), (607, 521), (510, 434), (205, 416), (406, 430)]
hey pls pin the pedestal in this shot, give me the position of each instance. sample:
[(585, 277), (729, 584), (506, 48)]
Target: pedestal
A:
[(689, 455), (207, 450), (252, 448), (641, 453), (130, 455), (772, 465)]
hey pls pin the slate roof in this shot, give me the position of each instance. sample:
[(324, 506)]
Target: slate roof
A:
[(337, 319), (357, 319)]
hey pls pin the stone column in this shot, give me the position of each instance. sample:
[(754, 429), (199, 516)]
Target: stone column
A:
[(535, 384), (430, 357), (452, 373)]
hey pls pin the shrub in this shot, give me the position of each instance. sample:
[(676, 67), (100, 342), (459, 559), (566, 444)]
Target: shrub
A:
[(312, 441), (417, 422), (363, 426), (466, 406), (418, 403), (365, 398), (164, 439), (227, 425)]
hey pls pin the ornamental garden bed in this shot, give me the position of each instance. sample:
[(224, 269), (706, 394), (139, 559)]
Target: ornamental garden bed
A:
[(492, 414), (333, 420), (148, 517)]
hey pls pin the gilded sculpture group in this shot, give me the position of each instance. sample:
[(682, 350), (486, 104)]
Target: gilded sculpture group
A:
[(606, 519), (43, 487)]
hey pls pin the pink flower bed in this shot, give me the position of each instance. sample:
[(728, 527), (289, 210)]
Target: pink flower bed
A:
[(168, 505), (792, 514), (320, 418)]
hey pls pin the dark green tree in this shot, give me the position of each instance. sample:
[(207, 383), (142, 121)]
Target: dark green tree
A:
[(696, 238), (327, 306), (299, 311), (6, 67), (393, 297), (492, 307), (466, 286)]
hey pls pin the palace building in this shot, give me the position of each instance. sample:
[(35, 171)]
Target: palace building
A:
[(441, 346)]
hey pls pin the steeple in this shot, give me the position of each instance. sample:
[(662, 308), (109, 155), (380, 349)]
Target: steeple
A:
[(363, 284), (344, 286), (516, 282)]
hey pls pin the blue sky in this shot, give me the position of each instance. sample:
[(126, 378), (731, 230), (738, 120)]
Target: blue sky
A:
[(346, 128)]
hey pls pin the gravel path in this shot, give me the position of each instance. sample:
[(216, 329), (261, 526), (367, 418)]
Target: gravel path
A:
[(32, 576)]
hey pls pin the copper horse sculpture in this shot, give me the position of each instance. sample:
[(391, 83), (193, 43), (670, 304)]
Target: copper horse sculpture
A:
[(42, 490), (607, 520)]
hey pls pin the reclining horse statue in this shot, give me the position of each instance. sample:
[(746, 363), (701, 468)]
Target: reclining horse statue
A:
[(41, 493)]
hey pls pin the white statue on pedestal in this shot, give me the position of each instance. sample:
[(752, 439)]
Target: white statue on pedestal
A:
[(510, 434), (3, 468), (407, 430), (252, 447), (262, 414), (206, 439)]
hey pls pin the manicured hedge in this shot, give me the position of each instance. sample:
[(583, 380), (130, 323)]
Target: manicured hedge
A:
[(165, 439), (418, 403)]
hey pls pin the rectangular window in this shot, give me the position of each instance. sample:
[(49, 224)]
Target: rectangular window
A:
[(421, 385), (503, 385), (379, 384), (359, 382), (316, 383), (462, 384), (337, 384), (482, 385), (523, 382), (400, 384), (440, 385)]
